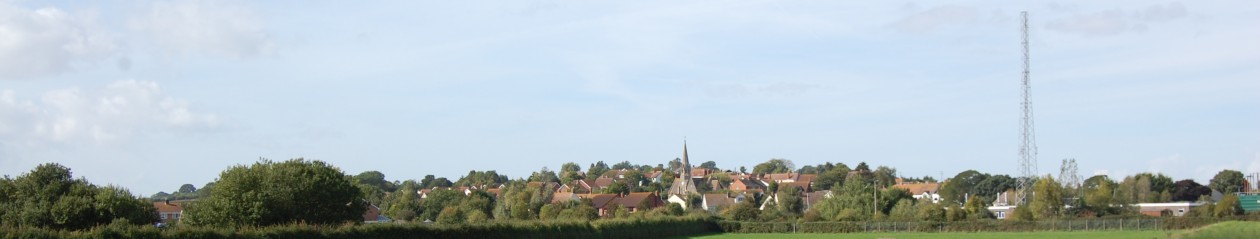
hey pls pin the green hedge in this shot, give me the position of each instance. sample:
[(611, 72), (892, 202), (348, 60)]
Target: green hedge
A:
[(970, 226), (617, 228)]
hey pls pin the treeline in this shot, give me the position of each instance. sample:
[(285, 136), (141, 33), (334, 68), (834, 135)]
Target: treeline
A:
[(50, 197), (616, 228)]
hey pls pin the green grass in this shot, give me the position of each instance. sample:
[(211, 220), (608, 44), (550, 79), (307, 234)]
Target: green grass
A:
[(1232, 229), (977, 235)]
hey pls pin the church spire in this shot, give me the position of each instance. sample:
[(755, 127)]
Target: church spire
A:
[(686, 166)]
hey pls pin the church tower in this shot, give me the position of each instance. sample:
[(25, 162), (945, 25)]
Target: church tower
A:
[(684, 185)]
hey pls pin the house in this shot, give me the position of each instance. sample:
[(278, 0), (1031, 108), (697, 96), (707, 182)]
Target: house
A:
[(745, 184), (583, 186), (1167, 209), (780, 177), (169, 212), (564, 197), (600, 201), (700, 172), (632, 201), (674, 198), (714, 202), (715, 184), (1004, 204), (654, 176), (922, 190), (602, 183), (812, 198), (373, 215), (553, 186)]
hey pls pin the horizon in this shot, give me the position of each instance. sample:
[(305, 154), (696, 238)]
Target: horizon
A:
[(150, 95)]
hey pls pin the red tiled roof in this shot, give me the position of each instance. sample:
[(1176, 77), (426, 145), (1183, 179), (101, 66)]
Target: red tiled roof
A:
[(168, 207)]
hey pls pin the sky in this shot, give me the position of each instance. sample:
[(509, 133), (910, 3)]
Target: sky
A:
[(150, 95)]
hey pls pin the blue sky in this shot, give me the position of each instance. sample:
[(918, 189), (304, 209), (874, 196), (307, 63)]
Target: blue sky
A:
[(153, 94)]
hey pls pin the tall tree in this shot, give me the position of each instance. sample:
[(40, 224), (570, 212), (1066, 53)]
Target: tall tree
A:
[(1188, 190), (1227, 181), (774, 166), (709, 165), (270, 193), (1047, 201)]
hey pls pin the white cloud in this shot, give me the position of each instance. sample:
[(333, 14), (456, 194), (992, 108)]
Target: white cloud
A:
[(121, 110), (937, 17), (204, 27), (46, 41), (1116, 21)]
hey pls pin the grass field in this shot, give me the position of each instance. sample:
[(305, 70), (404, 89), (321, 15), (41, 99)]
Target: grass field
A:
[(1233, 229), (978, 235)]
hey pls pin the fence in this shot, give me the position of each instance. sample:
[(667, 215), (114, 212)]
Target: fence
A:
[(967, 226)]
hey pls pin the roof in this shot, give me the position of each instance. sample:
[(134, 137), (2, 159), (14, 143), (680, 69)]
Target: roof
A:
[(802, 184), (781, 176), (749, 183), (560, 197), (599, 200), (168, 206), (919, 188), (812, 198), (603, 182), (633, 199), (717, 200), (806, 177)]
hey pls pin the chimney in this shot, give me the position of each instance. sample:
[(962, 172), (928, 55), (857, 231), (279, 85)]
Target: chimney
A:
[(168, 201)]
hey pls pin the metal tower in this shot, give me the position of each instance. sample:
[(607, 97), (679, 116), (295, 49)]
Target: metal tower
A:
[(1028, 139)]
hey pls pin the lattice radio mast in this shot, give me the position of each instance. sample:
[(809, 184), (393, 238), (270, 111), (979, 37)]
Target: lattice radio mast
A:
[(1028, 139)]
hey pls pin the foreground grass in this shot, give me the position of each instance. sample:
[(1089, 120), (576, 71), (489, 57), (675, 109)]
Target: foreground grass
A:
[(975, 235), (1234, 229)]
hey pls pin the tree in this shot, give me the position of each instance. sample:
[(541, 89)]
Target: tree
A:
[(831, 177), (743, 211), (438, 200), (450, 215), (1098, 193), (903, 211), (976, 209), (570, 171), (885, 176), (1021, 213), (928, 211), (774, 166), (187, 188), (1188, 190), (544, 175), (404, 204), (270, 193), (1228, 206), (50, 197), (709, 165), (1227, 181), (1047, 201), (958, 187), (596, 169)]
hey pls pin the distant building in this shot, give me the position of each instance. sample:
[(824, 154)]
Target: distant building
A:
[(684, 185), (169, 212)]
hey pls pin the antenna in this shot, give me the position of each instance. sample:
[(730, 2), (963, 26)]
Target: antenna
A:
[(1028, 139)]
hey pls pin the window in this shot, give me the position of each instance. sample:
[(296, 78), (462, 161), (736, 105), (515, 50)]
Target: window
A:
[(1001, 215), (163, 216)]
